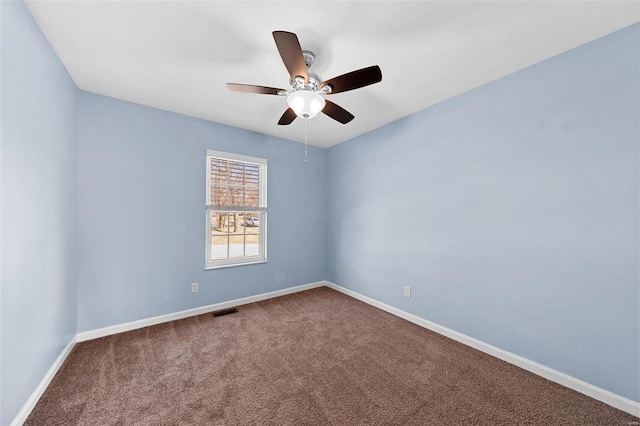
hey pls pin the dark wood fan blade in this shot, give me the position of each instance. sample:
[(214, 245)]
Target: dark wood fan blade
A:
[(250, 88), (354, 79), (337, 112), (287, 118), (291, 54)]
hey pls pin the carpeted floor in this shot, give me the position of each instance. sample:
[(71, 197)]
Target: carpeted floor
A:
[(311, 358)]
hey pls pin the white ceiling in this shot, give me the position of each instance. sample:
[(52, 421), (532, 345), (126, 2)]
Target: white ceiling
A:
[(178, 55)]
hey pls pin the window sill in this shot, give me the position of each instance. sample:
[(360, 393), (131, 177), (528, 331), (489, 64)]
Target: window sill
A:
[(233, 265)]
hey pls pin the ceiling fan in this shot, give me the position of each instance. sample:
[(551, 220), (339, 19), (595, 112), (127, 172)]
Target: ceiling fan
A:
[(305, 94)]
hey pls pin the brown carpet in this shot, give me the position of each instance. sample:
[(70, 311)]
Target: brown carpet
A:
[(312, 358)]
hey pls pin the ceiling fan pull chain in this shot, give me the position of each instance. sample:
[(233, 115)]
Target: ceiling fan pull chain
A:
[(305, 140)]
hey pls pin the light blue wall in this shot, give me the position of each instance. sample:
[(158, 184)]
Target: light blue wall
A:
[(511, 211), (1, 8), (39, 208), (142, 218)]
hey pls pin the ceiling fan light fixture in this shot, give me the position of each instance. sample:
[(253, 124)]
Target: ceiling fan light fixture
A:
[(305, 95), (305, 103)]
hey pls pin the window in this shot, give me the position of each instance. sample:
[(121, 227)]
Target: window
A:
[(236, 210)]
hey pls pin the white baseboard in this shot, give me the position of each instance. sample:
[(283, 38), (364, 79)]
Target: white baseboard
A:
[(120, 328), (35, 396), (610, 398)]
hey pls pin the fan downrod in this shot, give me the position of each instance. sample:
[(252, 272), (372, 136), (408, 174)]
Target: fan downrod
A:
[(309, 58)]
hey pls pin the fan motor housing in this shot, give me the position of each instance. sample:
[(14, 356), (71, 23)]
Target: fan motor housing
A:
[(314, 80), (298, 83)]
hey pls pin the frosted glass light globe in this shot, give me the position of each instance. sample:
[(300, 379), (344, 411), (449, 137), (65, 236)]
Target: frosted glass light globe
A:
[(305, 103)]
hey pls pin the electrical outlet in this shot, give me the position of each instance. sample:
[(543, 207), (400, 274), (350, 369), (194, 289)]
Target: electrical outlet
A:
[(407, 291), (194, 287)]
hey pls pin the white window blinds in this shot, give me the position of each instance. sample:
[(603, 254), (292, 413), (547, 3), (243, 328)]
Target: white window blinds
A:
[(237, 183)]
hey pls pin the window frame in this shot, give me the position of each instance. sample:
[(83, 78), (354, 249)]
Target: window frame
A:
[(261, 210)]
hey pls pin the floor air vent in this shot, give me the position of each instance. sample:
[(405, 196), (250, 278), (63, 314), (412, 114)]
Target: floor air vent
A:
[(225, 312)]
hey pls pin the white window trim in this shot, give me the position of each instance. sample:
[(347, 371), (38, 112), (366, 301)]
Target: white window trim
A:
[(262, 229)]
